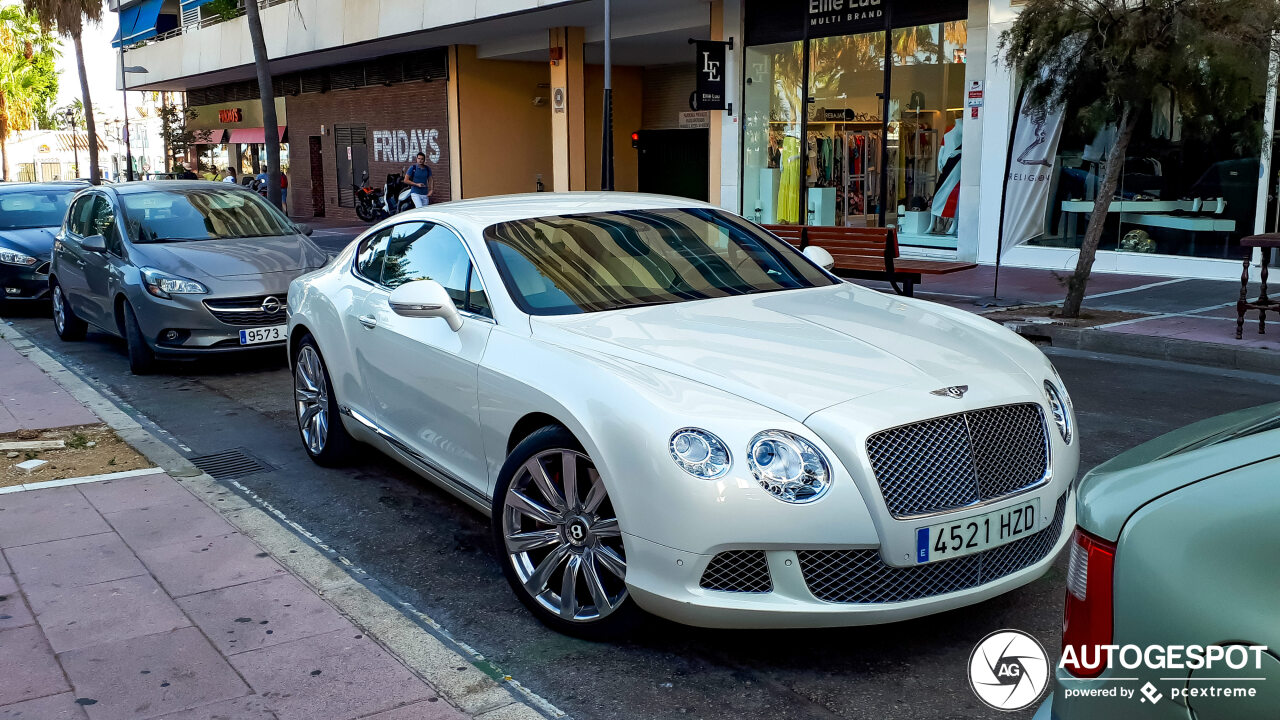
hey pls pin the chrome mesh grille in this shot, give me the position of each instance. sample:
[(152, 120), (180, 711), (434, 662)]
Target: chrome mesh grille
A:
[(860, 576), (738, 571), (246, 312), (949, 462)]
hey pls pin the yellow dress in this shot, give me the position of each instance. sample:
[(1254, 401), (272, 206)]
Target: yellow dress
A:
[(789, 184)]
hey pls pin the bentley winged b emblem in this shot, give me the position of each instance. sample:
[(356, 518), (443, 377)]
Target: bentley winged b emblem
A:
[(955, 391)]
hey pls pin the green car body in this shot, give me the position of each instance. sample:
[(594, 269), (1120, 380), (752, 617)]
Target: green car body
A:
[(1195, 519)]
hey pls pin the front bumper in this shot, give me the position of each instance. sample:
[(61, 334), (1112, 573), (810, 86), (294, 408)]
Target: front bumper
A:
[(198, 330), (667, 582), (24, 282)]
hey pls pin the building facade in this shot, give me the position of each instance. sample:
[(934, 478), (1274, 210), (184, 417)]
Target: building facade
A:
[(837, 112)]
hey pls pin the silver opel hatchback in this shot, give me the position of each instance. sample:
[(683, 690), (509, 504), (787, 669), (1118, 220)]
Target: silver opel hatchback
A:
[(177, 268)]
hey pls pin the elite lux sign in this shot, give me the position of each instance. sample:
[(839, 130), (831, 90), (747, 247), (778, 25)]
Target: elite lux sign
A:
[(845, 16), (709, 94), (403, 145)]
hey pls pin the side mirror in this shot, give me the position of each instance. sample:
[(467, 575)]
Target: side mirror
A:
[(304, 228), (94, 243), (820, 256), (425, 299)]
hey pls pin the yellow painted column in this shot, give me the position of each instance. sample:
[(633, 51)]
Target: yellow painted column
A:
[(455, 124), (717, 116), (568, 126)]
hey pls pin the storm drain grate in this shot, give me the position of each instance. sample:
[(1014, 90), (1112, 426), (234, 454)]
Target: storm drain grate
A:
[(230, 464)]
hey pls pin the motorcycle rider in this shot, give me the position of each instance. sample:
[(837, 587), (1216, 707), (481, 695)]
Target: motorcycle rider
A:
[(418, 176)]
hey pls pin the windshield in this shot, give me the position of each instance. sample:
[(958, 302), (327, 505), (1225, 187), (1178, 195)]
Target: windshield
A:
[(570, 264), (189, 214), (34, 208)]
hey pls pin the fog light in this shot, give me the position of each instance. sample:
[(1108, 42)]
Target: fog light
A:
[(12, 291), (171, 335)]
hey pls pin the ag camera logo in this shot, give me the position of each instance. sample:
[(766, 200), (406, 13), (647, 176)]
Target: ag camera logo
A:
[(1008, 670)]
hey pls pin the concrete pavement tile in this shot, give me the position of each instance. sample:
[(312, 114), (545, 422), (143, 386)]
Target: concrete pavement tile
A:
[(432, 709), (4, 566), (114, 610), (75, 562), (251, 707), (335, 675), (150, 676), (28, 668), (208, 564), (167, 523), (261, 614), (34, 399), (39, 516), (13, 611), (53, 707), (111, 496)]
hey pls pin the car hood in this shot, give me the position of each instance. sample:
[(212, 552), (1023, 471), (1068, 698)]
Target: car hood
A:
[(1113, 491), (797, 351), (236, 257), (36, 242)]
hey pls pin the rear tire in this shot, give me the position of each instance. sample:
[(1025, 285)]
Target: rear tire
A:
[(364, 212), (326, 440), (69, 327), (142, 359), (554, 543)]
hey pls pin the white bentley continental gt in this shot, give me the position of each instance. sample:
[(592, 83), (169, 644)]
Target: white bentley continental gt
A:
[(663, 407)]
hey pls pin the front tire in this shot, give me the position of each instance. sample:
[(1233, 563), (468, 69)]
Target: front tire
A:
[(316, 408), (558, 539), (65, 322), (364, 212), (142, 359)]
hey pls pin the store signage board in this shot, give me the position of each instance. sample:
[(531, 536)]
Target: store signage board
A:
[(231, 115), (695, 120), (710, 63), (844, 17), (774, 21)]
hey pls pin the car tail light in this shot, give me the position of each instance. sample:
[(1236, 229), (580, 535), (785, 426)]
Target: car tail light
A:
[(1086, 623)]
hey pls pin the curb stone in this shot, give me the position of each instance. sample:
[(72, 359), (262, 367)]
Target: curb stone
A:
[(453, 675), (1151, 347)]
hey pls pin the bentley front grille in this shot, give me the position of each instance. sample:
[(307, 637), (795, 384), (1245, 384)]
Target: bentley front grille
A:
[(957, 460)]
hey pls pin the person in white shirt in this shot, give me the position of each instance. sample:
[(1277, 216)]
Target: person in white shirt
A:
[(231, 176)]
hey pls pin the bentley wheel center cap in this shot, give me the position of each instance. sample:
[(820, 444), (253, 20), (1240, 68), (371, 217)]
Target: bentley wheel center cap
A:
[(577, 532)]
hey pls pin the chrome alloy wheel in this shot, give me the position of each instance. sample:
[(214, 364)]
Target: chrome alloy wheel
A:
[(59, 311), (562, 536), (311, 399)]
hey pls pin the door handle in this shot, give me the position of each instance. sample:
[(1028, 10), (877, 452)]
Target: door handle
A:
[(368, 321)]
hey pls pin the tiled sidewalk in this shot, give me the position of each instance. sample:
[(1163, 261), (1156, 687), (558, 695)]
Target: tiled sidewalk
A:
[(31, 400), (131, 599)]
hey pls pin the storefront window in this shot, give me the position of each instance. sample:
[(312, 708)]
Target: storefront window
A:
[(1177, 195), (772, 128)]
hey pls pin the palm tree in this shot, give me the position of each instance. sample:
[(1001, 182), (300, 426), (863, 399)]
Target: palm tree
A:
[(19, 81), (270, 125), (68, 16)]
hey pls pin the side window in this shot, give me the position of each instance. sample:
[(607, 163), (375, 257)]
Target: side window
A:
[(371, 254), (424, 251), (103, 223), (78, 217)]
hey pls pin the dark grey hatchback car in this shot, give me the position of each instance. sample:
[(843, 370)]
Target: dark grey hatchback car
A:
[(177, 268)]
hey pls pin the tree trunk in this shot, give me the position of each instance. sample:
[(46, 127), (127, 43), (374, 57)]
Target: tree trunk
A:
[(90, 125), (4, 159), (269, 123), (164, 132), (1098, 219)]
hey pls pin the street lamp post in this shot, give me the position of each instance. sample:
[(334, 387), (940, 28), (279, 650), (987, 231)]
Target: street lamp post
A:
[(124, 94), (70, 114)]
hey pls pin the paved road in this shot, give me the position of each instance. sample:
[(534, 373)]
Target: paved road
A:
[(435, 553)]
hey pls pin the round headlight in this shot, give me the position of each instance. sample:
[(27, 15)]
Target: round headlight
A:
[(788, 466), (1061, 411), (699, 453)]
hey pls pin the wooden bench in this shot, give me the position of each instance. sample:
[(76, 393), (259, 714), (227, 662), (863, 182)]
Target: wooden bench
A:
[(867, 254)]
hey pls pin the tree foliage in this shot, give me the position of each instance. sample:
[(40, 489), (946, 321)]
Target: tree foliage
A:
[(68, 18), (1105, 59), (28, 81)]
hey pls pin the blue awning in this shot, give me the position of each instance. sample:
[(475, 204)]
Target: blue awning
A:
[(191, 4), (137, 22)]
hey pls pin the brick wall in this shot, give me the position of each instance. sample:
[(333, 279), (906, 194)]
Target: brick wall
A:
[(413, 108)]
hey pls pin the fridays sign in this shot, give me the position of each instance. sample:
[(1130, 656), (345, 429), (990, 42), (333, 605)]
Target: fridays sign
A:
[(404, 145)]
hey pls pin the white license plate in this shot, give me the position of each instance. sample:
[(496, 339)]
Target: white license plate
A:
[(257, 336), (977, 533)]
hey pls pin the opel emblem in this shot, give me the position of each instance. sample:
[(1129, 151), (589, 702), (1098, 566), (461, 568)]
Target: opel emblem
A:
[(271, 305), (955, 391)]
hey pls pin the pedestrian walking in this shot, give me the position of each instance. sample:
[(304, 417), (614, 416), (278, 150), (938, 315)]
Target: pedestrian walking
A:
[(419, 177), (231, 176)]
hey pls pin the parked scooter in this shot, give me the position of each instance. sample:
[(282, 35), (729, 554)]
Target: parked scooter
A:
[(369, 205), (395, 195)]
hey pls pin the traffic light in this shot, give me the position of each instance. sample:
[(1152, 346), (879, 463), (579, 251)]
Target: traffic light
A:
[(635, 139)]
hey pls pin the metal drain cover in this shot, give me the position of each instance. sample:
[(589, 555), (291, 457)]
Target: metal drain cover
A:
[(230, 464)]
